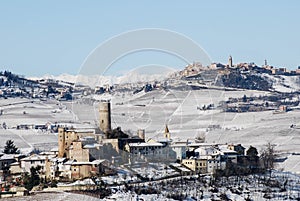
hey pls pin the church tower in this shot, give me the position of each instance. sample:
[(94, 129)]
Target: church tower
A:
[(230, 64), (167, 133), (105, 116)]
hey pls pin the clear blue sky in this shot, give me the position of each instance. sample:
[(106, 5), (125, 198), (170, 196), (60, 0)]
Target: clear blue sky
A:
[(54, 37)]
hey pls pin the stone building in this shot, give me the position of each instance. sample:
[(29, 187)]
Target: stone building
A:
[(66, 137), (86, 149)]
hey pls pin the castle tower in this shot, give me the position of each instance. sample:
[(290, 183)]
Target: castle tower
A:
[(105, 116), (230, 64), (61, 142)]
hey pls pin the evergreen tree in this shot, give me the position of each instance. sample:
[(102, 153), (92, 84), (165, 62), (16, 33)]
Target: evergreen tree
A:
[(252, 152), (10, 148), (244, 98), (252, 156), (33, 179)]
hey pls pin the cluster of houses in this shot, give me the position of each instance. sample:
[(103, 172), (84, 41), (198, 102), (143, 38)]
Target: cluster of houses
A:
[(83, 159), (84, 153)]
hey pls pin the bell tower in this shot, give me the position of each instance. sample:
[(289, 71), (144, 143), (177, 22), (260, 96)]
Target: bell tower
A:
[(230, 63), (167, 133)]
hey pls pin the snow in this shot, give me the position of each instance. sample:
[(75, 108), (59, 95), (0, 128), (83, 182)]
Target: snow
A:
[(53, 196), (78, 182)]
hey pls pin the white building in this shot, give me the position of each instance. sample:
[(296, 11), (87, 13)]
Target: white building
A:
[(179, 150), (150, 150), (34, 161)]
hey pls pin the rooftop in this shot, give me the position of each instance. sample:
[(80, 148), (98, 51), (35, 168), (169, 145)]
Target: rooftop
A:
[(144, 144)]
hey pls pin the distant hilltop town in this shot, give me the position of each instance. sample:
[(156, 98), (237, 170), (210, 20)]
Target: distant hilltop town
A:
[(196, 68), (195, 76)]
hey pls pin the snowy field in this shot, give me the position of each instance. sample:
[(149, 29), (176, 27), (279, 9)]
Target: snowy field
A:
[(53, 196), (21, 111)]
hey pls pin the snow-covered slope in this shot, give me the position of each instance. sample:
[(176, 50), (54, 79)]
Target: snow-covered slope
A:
[(282, 83)]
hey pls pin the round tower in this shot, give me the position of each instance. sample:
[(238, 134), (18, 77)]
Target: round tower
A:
[(105, 116)]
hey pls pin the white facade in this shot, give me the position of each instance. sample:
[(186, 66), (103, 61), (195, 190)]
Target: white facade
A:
[(180, 151), (33, 161)]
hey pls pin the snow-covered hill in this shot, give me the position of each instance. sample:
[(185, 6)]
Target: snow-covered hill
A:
[(279, 83)]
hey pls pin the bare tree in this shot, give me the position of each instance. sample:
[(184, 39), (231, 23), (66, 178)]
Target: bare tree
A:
[(268, 156)]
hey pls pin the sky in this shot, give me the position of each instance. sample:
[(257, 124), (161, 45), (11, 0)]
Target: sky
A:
[(55, 37)]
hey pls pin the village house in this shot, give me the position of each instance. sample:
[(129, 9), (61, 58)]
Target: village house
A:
[(55, 168), (152, 150), (215, 162), (240, 150), (7, 159), (209, 158), (196, 164), (73, 170), (227, 154), (35, 160)]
